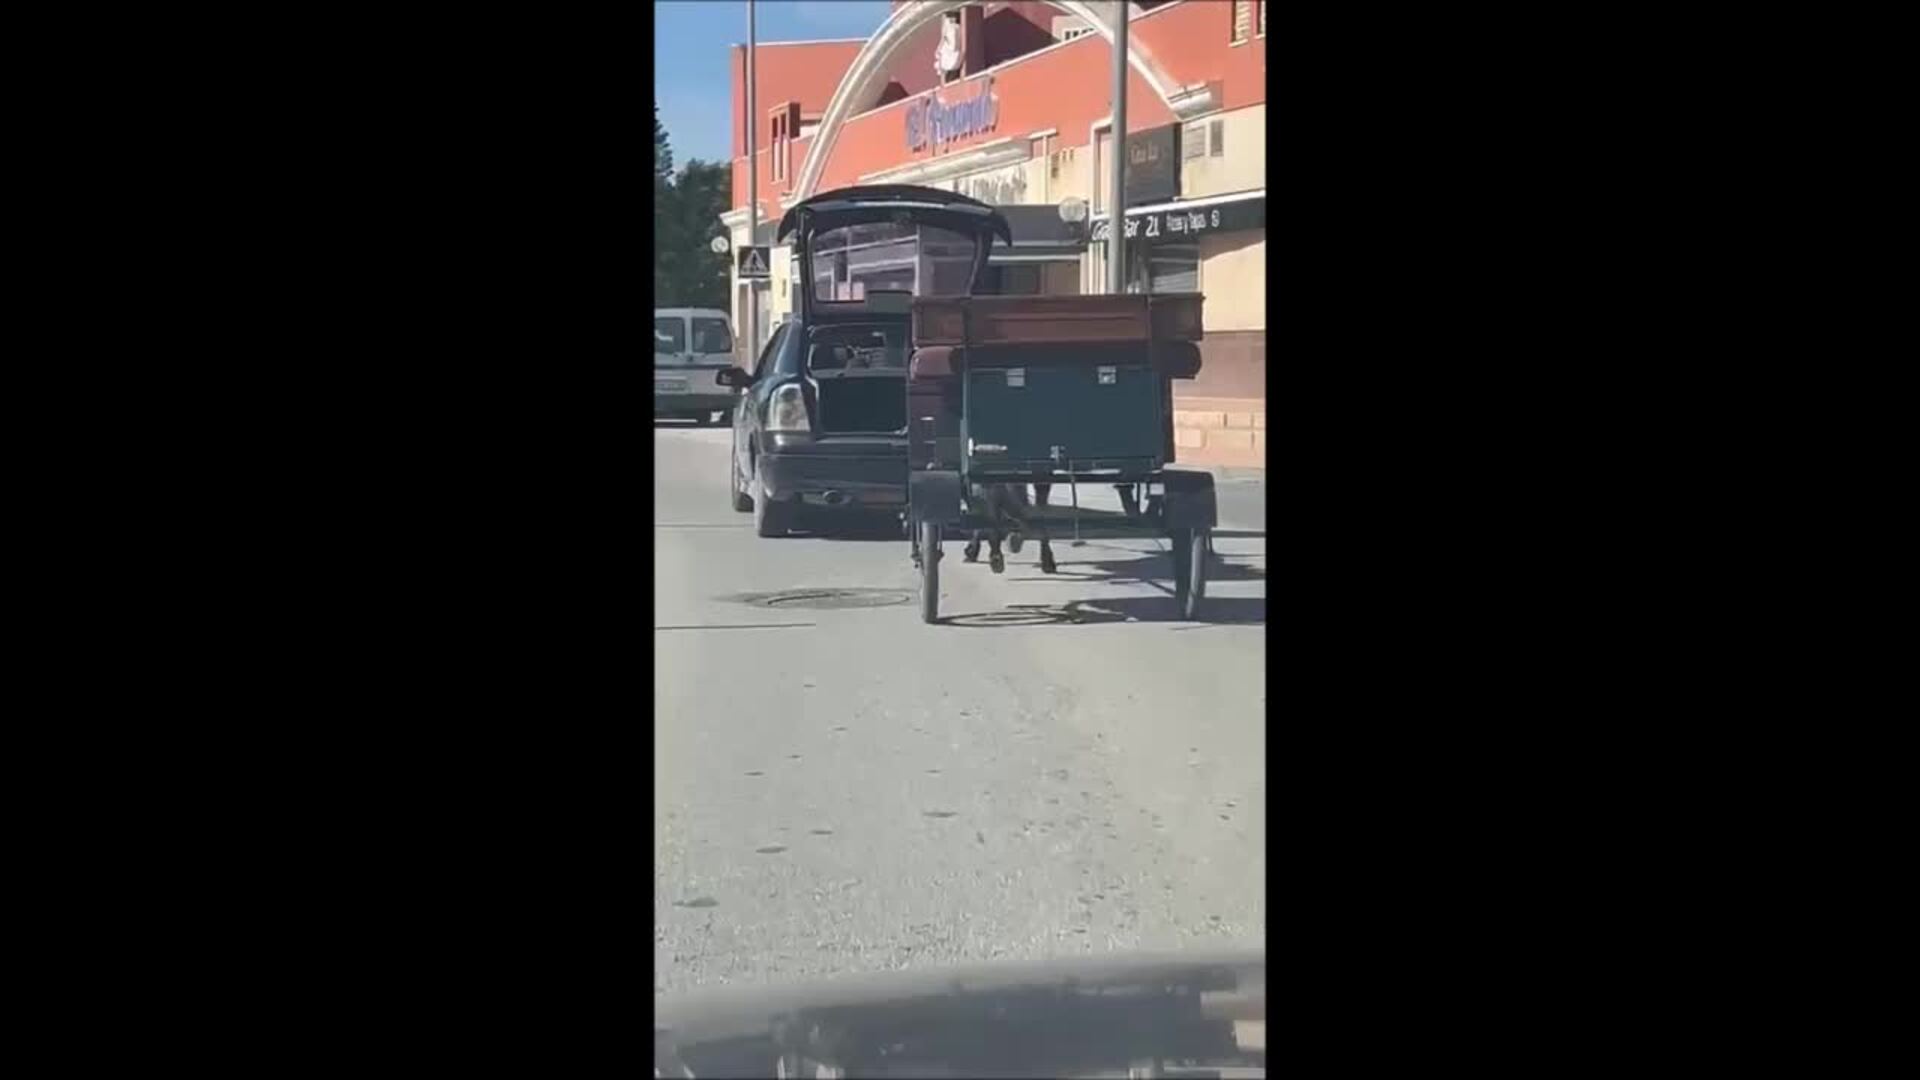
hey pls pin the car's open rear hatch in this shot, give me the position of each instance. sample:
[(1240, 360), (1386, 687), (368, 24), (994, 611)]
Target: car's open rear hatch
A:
[(868, 251), (859, 372), (900, 202)]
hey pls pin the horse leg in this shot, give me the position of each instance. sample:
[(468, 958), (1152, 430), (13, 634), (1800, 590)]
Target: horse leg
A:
[(1019, 510), (971, 553), (995, 561)]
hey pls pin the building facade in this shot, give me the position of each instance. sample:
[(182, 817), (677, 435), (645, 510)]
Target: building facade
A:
[(1008, 102)]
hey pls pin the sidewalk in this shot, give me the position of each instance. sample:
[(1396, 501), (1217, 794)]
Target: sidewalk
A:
[(1241, 495)]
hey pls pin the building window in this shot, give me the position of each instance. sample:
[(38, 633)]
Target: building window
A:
[(1263, 18), (1217, 144), (1242, 20)]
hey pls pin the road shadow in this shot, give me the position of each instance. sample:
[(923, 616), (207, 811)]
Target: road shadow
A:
[(1073, 613), (1155, 570), (663, 422), (1214, 611)]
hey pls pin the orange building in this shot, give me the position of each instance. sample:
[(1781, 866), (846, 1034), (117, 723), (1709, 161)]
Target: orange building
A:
[(1007, 101)]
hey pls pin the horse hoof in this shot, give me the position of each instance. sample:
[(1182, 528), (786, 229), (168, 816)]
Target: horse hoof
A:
[(997, 562), (1046, 562), (1015, 542)]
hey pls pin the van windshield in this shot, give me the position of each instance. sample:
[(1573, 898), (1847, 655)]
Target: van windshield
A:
[(925, 260)]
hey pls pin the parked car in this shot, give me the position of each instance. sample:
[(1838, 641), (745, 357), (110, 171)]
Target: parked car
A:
[(690, 347), (822, 423)]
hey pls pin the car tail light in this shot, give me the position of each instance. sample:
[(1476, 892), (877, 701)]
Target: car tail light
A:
[(787, 411)]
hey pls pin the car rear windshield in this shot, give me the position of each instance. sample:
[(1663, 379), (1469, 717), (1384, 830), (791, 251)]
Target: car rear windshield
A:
[(710, 335), (670, 335), (851, 261), (858, 348)]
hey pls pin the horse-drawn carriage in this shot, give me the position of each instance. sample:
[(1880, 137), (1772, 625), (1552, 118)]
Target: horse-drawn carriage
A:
[(1001, 392), (1046, 390)]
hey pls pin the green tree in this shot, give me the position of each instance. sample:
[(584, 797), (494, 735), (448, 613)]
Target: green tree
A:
[(665, 216), (686, 217), (701, 193), (662, 154)]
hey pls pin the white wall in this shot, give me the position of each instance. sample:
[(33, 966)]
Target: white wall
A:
[(1233, 277), (1243, 164)]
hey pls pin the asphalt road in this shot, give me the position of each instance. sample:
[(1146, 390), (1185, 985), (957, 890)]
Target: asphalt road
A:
[(1061, 769)]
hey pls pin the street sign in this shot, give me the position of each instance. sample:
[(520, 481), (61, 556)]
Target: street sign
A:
[(718, 244), (753, 262)]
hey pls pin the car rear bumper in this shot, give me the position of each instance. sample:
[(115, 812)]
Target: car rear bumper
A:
[(670, 404), (868, 474)]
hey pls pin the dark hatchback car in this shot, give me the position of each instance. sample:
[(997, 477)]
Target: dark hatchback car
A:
[(822, 424)]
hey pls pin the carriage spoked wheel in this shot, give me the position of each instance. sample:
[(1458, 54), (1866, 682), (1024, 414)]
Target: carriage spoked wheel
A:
[(928, 549), (1190, 547)]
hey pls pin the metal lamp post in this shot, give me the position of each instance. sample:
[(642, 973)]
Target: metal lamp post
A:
[(1116, 192), (753, 198)]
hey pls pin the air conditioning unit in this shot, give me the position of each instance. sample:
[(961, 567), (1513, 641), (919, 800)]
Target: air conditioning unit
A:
[(1193, 140), (1068, 27)]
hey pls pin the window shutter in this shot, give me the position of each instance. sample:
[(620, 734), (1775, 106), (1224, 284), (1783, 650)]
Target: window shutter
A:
[(1216, 146), (1174, 268), (1242, 19)]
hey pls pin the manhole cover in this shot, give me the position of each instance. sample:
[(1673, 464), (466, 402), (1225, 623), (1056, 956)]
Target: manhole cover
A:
[(827, 599)]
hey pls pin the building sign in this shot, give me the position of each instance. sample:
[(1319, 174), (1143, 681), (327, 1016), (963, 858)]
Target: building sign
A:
[(932, 122), (1008, 187), (1178, 224), (1153, 165)]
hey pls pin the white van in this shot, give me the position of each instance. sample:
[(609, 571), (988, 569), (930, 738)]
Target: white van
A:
[(690, 348)]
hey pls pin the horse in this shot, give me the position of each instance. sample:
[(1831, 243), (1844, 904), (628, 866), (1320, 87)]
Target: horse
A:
[(1009, 513)]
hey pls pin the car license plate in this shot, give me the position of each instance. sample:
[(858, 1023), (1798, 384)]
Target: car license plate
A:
[(669, 386)]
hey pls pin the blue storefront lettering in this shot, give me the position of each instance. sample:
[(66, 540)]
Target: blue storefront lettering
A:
[(931, 120)]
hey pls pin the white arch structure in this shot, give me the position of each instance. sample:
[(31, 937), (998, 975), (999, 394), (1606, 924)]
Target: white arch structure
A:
[(861, 81)]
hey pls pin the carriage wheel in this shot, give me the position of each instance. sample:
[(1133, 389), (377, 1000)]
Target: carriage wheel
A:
[(1190, 569), (929, 572)]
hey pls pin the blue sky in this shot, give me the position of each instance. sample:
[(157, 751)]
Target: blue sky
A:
[(690, 44)]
